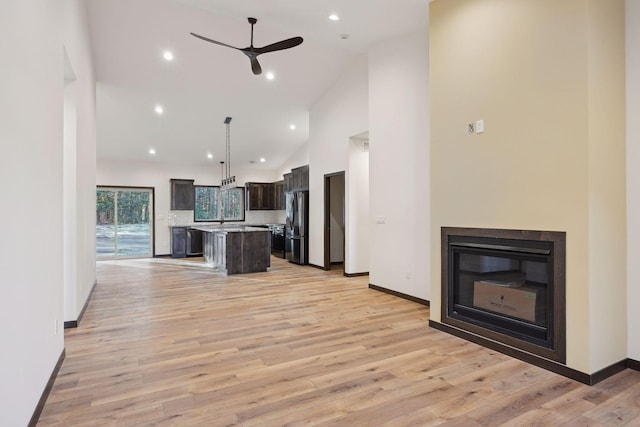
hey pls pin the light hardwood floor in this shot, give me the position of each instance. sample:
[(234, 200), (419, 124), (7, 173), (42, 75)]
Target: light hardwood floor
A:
[(173, 343)]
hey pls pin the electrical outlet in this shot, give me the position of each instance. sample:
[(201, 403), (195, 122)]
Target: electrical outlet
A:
[(471, 128), (380, 219), (480, 126)]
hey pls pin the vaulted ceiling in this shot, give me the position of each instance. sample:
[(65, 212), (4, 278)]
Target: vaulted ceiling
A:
[(205, 83)]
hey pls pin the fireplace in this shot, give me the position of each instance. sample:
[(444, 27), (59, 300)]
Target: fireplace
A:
[(507, 287)]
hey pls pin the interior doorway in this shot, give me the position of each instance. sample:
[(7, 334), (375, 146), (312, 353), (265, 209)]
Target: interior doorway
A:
[(334, 221)]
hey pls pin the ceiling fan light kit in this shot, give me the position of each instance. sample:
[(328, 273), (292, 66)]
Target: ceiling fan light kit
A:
[(252, 52)]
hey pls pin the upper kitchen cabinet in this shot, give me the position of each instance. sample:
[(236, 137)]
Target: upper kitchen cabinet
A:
[(288, 182), (260, 196), (279, 195), (182, 194), (300, 178)]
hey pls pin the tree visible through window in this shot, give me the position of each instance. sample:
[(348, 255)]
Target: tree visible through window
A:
[(123, 222), (206, 203), (214, 204)]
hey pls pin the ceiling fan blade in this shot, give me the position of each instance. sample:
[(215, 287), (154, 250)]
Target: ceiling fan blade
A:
[(284, 44), (213, 41), (255, 66)]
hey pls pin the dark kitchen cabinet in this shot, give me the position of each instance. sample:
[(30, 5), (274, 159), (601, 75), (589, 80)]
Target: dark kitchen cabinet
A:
[(178, 242), (238, 252), (185, 242), (260, 196), (288, 182), (278, 195), (300, 178), (182, 194), (194, 242)]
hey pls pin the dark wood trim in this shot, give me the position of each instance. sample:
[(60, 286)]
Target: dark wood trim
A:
[(327, 215), (633, 364), (364, 273), (609, 371), (400, 295), (153, 207), (47, 389), (124, 187), (533, 359), (162, 256), (317, 266), (514, 352), (153, 226), (74, 323), (337, 262), (327, 230)]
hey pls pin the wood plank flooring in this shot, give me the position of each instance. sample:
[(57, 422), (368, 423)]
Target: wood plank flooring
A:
[(172, 343)]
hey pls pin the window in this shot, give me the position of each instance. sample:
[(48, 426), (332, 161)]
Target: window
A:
[(206, 204), (214, 204), (124, 222)]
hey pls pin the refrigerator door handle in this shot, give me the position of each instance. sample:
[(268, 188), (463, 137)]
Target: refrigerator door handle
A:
[(301, 204)]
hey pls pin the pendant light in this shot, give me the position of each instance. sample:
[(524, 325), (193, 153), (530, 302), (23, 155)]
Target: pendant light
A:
[(228, 181)]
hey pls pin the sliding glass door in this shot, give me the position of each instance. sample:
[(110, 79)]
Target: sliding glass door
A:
[(124, 225)]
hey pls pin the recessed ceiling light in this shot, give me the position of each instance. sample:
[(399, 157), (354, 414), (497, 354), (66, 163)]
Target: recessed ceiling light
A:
[(159, 109), (262, 160), (270, 76), (168, 55), (209, 156), (334, 17), (152, 151), (292, 126)]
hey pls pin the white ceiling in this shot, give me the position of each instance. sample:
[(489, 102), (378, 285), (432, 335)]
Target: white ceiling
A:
[(206, 82)]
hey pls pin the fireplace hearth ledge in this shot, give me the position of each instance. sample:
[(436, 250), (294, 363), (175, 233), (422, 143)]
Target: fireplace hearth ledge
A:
[(533, 359)]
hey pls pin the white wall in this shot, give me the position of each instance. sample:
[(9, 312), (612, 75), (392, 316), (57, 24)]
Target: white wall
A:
[(70, 217), (31, 110), (399, 164), (299, 158), (157, 175), (357, 209), (339, 114), (633, 175), (79, 163)]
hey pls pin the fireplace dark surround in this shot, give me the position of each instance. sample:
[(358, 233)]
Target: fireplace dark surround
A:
[(506, 286)]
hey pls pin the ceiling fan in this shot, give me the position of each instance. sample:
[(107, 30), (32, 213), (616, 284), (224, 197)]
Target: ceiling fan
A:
[(253, 52)]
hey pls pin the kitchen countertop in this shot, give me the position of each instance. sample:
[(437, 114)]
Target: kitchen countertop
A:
[(227, 228)]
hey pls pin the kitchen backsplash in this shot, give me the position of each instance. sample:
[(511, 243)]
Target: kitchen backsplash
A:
[(180, 218)]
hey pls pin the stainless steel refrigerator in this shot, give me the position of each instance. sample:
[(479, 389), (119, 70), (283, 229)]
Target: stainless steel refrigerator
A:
[(297, 238)]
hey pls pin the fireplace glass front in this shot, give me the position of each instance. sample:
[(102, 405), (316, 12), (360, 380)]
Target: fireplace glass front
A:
[(503, 287)]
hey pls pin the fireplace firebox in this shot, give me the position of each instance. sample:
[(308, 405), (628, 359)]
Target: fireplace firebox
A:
[(507, 286)]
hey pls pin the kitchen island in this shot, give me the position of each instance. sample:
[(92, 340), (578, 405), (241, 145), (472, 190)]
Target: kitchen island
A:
[(236, 249)]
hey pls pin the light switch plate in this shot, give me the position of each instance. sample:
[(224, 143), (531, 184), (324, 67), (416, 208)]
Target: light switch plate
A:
[(480, 126)]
